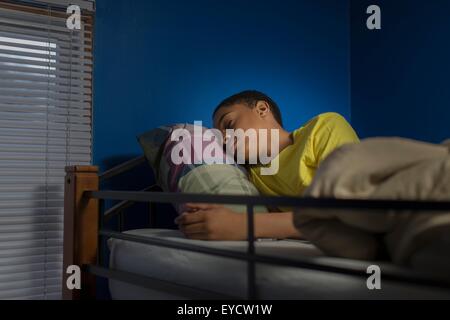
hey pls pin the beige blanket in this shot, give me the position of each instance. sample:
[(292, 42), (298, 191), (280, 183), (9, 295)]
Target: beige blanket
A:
[(379, 168)]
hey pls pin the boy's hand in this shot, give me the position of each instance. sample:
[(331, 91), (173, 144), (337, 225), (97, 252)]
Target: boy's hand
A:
[(212, 222)]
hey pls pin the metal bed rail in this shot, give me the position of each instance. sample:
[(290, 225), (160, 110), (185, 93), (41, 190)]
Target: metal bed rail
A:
[(170, 197), (390, 272)]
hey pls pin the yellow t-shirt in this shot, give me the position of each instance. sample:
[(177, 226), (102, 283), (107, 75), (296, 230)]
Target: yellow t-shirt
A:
[(299, 161)]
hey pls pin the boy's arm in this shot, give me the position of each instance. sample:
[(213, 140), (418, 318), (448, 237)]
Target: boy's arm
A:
[(216, 222), (276, 225)]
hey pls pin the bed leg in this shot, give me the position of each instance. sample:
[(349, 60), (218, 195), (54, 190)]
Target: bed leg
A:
[(80, 229)]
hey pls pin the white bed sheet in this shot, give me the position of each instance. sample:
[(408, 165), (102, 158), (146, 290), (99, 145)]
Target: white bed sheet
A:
[(229, 276)]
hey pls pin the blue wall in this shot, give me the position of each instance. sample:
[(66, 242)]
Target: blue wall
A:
[(166, 61), (400, 74)]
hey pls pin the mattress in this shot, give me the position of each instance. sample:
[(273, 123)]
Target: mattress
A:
[(229, 276)]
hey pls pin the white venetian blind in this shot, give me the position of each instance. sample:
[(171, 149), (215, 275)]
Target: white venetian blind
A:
[(45, 124)]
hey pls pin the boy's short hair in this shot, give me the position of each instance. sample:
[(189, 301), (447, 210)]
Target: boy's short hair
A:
[(250, 98)]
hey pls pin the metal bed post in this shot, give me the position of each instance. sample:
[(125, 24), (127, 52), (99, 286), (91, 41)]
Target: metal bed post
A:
[(101, 207), (120, 222), (152, 214), (251, 274)]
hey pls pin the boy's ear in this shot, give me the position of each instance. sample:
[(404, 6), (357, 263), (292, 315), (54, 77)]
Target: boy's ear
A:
[(262, 108)]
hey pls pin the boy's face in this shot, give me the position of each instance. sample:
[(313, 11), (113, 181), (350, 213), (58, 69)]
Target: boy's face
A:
[(240, 116)]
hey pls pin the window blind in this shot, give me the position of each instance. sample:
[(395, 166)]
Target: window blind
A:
[(45, 125)]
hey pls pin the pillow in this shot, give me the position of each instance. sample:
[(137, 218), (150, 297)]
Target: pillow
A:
[(197, 175)]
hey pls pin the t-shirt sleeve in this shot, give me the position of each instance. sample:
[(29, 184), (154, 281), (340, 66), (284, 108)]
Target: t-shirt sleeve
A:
[(332, 132)]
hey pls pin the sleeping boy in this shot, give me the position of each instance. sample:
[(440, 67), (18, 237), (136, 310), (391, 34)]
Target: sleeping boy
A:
[(299, 155)]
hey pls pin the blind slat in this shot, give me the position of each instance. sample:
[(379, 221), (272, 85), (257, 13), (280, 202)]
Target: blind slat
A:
[(33, 85), (26, 69), (44, 79), (45, 291), (67, 97), (40, 125), (61, 28), (37, 132), (26, 276), (67, 141), (51, 165), (13, 10), (28, 283), (63, 61), (72, 51), (31, 267), (41, 117), (37, 35), (14, 196), (31, 235), (37, 203)]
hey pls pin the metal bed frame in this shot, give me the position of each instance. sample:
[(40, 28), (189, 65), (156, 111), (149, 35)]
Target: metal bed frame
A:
[(84, 219)]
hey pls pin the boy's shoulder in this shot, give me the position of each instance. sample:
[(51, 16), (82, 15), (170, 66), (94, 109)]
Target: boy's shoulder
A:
[(327, 119)]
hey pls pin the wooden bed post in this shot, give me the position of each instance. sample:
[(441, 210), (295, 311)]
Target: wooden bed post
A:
[(80, 228)]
